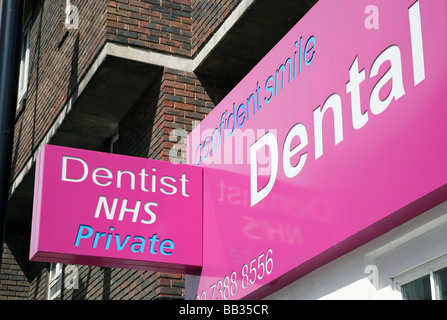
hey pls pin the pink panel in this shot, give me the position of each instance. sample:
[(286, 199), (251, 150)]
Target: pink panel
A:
[(380, 92), (116, 211)]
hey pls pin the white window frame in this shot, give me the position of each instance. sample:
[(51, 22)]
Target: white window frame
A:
[(55, 277), (113, 140), (429, 268), (24, 67)]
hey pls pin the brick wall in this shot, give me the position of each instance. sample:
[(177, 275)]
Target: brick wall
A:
[(174, 26), (208, 16), (159, 25), (185, 99), (38, 281), (95, 283), (180, 103), (174, 100), (15, 268), (181, 98), (58, 60)]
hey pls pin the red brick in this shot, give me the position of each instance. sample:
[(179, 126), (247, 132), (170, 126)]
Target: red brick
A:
[(174, 100)]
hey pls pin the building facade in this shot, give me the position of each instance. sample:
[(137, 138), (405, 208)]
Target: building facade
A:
[(129, 77)]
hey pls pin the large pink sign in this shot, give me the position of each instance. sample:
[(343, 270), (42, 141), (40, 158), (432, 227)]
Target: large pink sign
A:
[(336, 136), (116, 211)]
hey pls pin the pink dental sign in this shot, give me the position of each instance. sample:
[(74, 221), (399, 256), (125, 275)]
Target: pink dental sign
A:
[(338, 135), (116, 211)]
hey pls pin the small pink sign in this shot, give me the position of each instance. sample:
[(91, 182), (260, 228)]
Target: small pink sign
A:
[(336, 136), (111, 210)]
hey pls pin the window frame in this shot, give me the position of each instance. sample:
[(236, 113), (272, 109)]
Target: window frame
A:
[(54, 277), (22, 89), (428, 268), (114, 144)]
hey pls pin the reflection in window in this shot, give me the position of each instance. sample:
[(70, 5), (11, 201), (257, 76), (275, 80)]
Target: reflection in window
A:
[(441, 284), (418, 289)]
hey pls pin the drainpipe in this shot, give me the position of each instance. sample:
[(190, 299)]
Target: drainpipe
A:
[(10, 47)]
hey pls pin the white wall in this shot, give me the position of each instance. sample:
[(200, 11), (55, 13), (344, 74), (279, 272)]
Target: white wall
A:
[(392, 258)]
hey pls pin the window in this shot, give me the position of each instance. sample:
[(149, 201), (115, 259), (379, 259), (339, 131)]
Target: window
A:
[(62, 277), (55, 280), (418, 289), (426, 282), (24, 67), (114, 144), (441, 284)]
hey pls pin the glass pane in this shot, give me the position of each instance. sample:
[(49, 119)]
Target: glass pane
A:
[(55, 271), (418, 289), (55, 289), (441, 284)]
